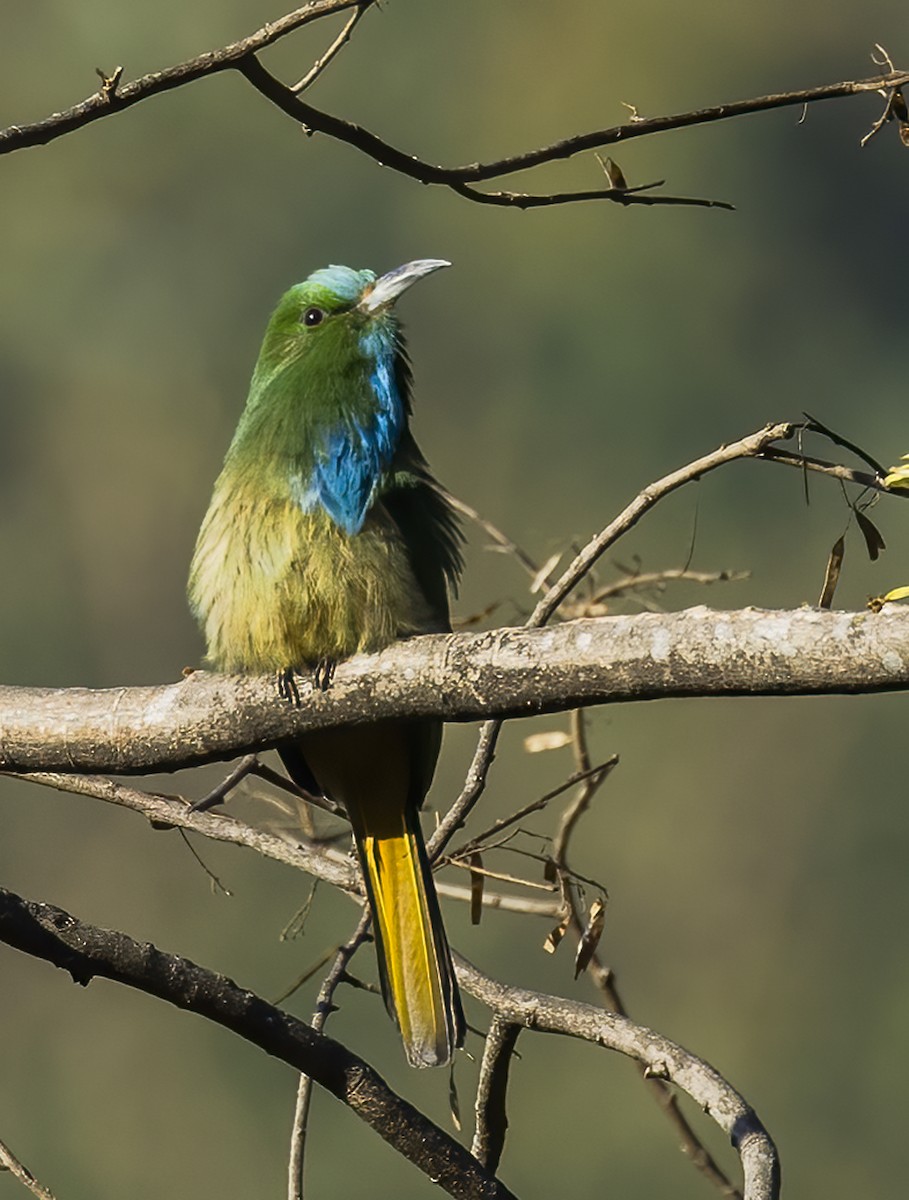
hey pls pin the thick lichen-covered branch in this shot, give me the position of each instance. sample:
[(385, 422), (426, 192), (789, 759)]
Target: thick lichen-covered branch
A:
[(508, 672)]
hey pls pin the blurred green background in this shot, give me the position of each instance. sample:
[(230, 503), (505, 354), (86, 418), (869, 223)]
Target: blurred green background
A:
[(755, 851)]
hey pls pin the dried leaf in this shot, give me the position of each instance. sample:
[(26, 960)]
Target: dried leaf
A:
[(613, 173), (477, 881), (590, 938), (554, 937), (454, 1104), (874, 542), (898, 106), (552, 739), (832, 576)]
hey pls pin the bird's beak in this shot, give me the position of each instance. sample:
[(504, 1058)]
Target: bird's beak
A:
[(387, 288)]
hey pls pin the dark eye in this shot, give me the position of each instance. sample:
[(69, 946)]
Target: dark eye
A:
[(313, 316)]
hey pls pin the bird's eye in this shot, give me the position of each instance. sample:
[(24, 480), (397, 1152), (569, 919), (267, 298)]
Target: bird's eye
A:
[(313, 316)]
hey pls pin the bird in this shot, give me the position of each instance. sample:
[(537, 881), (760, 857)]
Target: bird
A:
[(327, 535)]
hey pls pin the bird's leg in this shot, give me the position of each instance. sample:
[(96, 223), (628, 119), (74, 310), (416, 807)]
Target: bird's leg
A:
[(286, 683), (323, 673)]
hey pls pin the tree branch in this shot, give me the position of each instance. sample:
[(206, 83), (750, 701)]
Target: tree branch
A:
[(492, 1087), (324, 1007), (660, 1057), (18, 1170), (461, 677), (111, 98), (86, 952), (323, 862)]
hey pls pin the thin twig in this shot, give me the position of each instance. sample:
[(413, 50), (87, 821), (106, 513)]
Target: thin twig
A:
[(163, 812), (474, 786), (660, 1058), (241, 56), (104, 103), (641, 581), (747, 447), (492, 1086), (502, 876), (9, 1162), (604, 979), (340, 41), (324, 1006), (86, 952), (623, 196), (807, 462), (502, 540), (321, 861), (479, 842), (218, 793)]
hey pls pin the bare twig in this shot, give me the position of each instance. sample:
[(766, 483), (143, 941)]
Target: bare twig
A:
[(324, 1006), (623, 196), (502, 541), (641, 581), (241, 56), (321, 861), (807, 462), (336, 46), (492, 1086), (106, 102), (9, 1162), (164, 812), (604, 979), (87, 952), (579, 567), (218, 794), (659, 1056), (895, 107), (474, 786), (479, 841), (747, 447)]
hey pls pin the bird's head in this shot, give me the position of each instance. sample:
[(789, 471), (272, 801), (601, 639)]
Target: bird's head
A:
[(338, 317)]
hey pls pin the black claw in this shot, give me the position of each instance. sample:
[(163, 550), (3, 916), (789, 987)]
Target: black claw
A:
[(286, 682), (323, 674)]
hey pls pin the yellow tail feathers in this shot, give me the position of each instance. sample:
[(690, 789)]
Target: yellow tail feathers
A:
[(380, 773), (414, 959)]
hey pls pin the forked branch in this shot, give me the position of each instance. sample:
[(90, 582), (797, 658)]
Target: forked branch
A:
[(114, 96)]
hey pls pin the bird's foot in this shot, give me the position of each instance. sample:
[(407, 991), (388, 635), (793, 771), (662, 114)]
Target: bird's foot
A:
[(323, 673), (286, 683)]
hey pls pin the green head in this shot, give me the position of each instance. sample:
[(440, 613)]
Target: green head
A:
[(329, 401), (336, 322)]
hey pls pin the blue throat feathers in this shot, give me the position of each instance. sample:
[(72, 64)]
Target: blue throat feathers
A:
[(356, 454)]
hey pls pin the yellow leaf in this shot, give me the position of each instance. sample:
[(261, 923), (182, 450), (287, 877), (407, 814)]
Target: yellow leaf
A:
[(876, 603), (898, 477)]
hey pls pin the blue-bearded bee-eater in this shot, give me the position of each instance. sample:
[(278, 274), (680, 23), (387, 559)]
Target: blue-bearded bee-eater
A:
[(325, 536)]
